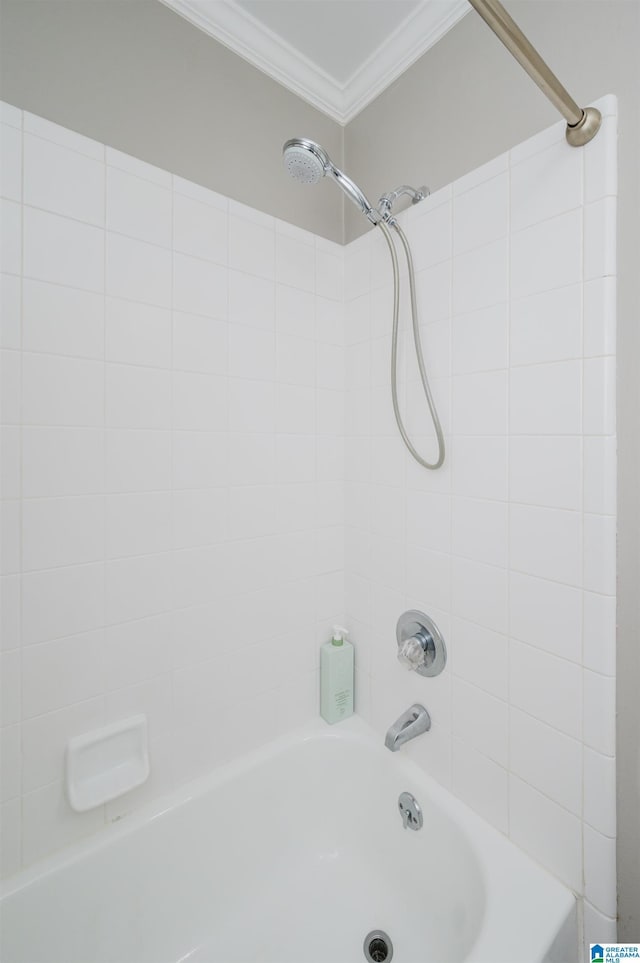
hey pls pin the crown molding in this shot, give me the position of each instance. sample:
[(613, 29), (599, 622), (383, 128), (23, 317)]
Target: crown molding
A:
[(411, 39), (263, 48)]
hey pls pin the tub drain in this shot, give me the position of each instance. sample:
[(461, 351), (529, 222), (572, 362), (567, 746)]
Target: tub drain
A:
[(378, 948)]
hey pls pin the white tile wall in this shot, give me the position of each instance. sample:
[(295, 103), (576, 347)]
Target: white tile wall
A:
[(511, 546), (172, 442), (178, 445)]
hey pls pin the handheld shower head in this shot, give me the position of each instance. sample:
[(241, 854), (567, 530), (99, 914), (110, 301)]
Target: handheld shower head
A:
[(308, 163), (305, 161)]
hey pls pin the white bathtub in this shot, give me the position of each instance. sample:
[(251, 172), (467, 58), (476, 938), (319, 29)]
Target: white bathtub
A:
[(293, 855)]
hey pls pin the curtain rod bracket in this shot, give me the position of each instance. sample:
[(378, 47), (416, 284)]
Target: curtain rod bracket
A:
[(586, 129)]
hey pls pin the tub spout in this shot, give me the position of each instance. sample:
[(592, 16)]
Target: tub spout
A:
[(411, 723)]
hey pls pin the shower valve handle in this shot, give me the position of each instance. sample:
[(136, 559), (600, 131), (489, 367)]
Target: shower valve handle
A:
[(420, 643), (416, 651)]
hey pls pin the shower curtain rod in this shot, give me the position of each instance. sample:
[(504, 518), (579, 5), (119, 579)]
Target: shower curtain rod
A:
[(582, 125)]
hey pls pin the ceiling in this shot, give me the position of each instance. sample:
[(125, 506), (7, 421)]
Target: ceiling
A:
[(336, 54)]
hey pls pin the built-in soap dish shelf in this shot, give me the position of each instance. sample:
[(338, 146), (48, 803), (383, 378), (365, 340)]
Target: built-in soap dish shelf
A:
[(106, 763)]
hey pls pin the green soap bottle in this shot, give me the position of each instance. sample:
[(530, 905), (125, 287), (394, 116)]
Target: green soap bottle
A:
[(336, 677)]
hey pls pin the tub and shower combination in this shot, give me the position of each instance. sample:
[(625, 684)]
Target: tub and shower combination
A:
[(295, 854), (310, 849)]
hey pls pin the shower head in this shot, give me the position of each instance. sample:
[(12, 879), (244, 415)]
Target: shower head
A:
[(305, 161), (308, 163)]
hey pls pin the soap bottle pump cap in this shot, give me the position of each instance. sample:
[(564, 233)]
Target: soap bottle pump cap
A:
[(339, 635)]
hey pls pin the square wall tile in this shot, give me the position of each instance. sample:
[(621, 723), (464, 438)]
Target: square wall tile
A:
[(137, 460), (138, 271), (480, 277), (137, 397), (481, 784), (199, 287), (137, 333), (547, 326), (547, 543), (251, 300), (62, 391), (200, 401), (480, 403), (479, 593), (481, 340), (545, 399), (546, 614), (138, 208), (60, 320), (138, 523), (546, 759), (481, 214), (45, 737), (547, 471), (547, 255), (62, 602), (546, 184), (479, 530), (59, 673), (62, 531), (479, 656), (137, 587), (546, 831), (199, 229), (63, 181), (548, 688), (481, 721), (200, 344), (251, 247), (295, 263), (63, 251)]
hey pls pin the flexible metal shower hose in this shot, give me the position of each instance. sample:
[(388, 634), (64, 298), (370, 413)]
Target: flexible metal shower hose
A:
[(418, 345)]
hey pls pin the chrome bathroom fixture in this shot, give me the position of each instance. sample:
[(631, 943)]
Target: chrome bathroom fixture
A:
[(582, 125), (411, 723), (377, 947), (420, 643), (410, 811), (308, 163)]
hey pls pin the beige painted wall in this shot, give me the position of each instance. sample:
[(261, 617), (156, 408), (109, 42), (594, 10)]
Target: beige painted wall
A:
[(135, 75), (465, 102)]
